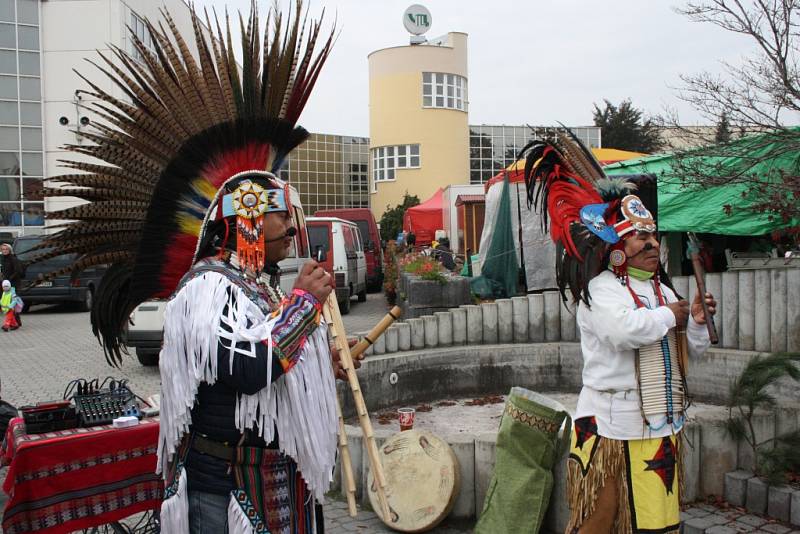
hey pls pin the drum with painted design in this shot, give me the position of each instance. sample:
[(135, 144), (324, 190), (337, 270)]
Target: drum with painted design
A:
[(422, 478)]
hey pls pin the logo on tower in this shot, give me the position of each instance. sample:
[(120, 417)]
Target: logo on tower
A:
[(417, 19)]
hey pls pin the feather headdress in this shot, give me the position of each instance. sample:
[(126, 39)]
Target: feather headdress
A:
[(587, 213), (159, 157)]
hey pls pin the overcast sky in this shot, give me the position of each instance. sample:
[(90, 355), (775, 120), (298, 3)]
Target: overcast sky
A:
[(530, 61)]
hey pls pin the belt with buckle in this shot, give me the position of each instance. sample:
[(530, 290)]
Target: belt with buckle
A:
[(213, 448)]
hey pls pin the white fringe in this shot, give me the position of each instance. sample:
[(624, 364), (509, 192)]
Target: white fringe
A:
[(175, 510), (300, 404), (238, 523)]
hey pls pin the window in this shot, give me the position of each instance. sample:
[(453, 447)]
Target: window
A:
[(386, 159), (349, 241), (302, 238), (8, 87), (7, 10), (29, 37), (318, 237), (139, 29), (28, 11), (442, 90), (8, 36)]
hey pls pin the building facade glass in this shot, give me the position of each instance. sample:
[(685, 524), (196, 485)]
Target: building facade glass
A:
[(493, 148), (21, 140), (330, 172)]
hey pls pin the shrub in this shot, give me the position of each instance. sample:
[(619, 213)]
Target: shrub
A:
[(425, 267), (748, 394)]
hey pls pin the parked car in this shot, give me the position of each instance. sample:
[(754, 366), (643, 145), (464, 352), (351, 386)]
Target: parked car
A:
[(344, 256), (146, 328), (373, 251), (72, 287)]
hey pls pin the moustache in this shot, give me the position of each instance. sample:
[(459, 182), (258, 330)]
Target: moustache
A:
[(291, 232)]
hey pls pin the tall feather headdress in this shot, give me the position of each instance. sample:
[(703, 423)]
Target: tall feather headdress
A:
[(588, 214), (157, 161)]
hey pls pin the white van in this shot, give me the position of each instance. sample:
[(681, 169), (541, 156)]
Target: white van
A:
[(344, 250), (146, 327)]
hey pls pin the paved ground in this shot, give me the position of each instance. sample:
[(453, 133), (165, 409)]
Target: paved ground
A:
[(708, 519), (338, 521)]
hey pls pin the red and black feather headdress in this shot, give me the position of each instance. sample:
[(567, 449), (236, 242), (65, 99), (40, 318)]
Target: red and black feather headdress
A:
[(157, 160), (586, 212)]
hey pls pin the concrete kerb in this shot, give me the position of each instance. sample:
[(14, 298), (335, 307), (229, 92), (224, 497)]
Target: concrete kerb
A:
[(736, 487), (794, 513), (779, 502), (505, 321)]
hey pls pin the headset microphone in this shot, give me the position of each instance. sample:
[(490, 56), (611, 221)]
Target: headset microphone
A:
[(291, 232)]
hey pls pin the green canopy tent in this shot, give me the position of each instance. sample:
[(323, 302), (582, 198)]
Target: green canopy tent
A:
[(684, 208)]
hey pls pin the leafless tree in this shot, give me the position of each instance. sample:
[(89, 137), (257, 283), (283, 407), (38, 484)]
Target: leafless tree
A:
[(760, 98)]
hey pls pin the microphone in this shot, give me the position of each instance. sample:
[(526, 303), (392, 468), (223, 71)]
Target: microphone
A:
[(291, 232)]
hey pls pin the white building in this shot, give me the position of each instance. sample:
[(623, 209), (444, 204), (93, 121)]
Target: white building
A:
[(42, 43)]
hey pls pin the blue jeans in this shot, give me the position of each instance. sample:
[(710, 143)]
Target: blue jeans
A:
[(208, 513)]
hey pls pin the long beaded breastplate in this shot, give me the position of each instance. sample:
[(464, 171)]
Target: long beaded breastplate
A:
[(661, 372), (661, 378)]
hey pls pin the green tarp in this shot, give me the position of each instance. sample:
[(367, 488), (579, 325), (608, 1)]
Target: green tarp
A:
[(500, 268), (682, 208)]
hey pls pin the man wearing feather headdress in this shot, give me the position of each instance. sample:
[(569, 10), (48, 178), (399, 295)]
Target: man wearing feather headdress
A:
[(624, 465), (185, 205)]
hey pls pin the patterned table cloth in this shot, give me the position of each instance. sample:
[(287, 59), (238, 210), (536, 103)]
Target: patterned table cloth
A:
[(59, 482)]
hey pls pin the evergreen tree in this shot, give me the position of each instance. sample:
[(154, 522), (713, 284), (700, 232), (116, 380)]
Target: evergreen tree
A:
[(392, 219), (623, 127), (723, 134)]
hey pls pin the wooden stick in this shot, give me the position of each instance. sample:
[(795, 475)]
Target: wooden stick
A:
[(347, 465), (376, 332), (697, 267), (334, 318)]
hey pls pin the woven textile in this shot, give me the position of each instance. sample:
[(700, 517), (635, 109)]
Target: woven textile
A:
[(59, 482), (273, 497)]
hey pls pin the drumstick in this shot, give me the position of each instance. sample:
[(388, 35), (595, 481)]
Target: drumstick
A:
[(393, 315), (697, 266), (334, 318)]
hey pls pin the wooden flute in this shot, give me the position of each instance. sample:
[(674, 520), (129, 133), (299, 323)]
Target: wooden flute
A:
[(333, 318)]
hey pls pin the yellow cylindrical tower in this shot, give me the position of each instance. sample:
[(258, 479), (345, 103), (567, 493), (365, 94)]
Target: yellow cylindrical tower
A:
[(418, 120)]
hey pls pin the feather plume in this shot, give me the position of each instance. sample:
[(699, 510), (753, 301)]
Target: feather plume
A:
[(185, 125)]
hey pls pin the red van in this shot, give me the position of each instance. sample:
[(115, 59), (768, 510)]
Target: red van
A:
[(372, 241)]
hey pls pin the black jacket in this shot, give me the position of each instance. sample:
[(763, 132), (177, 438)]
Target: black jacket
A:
[(11, 269)]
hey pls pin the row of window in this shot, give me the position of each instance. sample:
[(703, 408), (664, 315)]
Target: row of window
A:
[(386, 159), (441, 90)]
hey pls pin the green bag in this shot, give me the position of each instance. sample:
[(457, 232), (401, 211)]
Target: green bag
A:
[(528, 447)]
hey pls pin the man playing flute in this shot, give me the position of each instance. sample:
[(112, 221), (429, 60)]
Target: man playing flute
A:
[(185, 205), (625, 462)]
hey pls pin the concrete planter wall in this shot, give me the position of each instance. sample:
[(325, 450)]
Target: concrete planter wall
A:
[(424, 297), (756, 309), (546, 318)]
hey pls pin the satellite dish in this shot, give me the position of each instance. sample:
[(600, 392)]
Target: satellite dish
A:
[(417, 19)]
